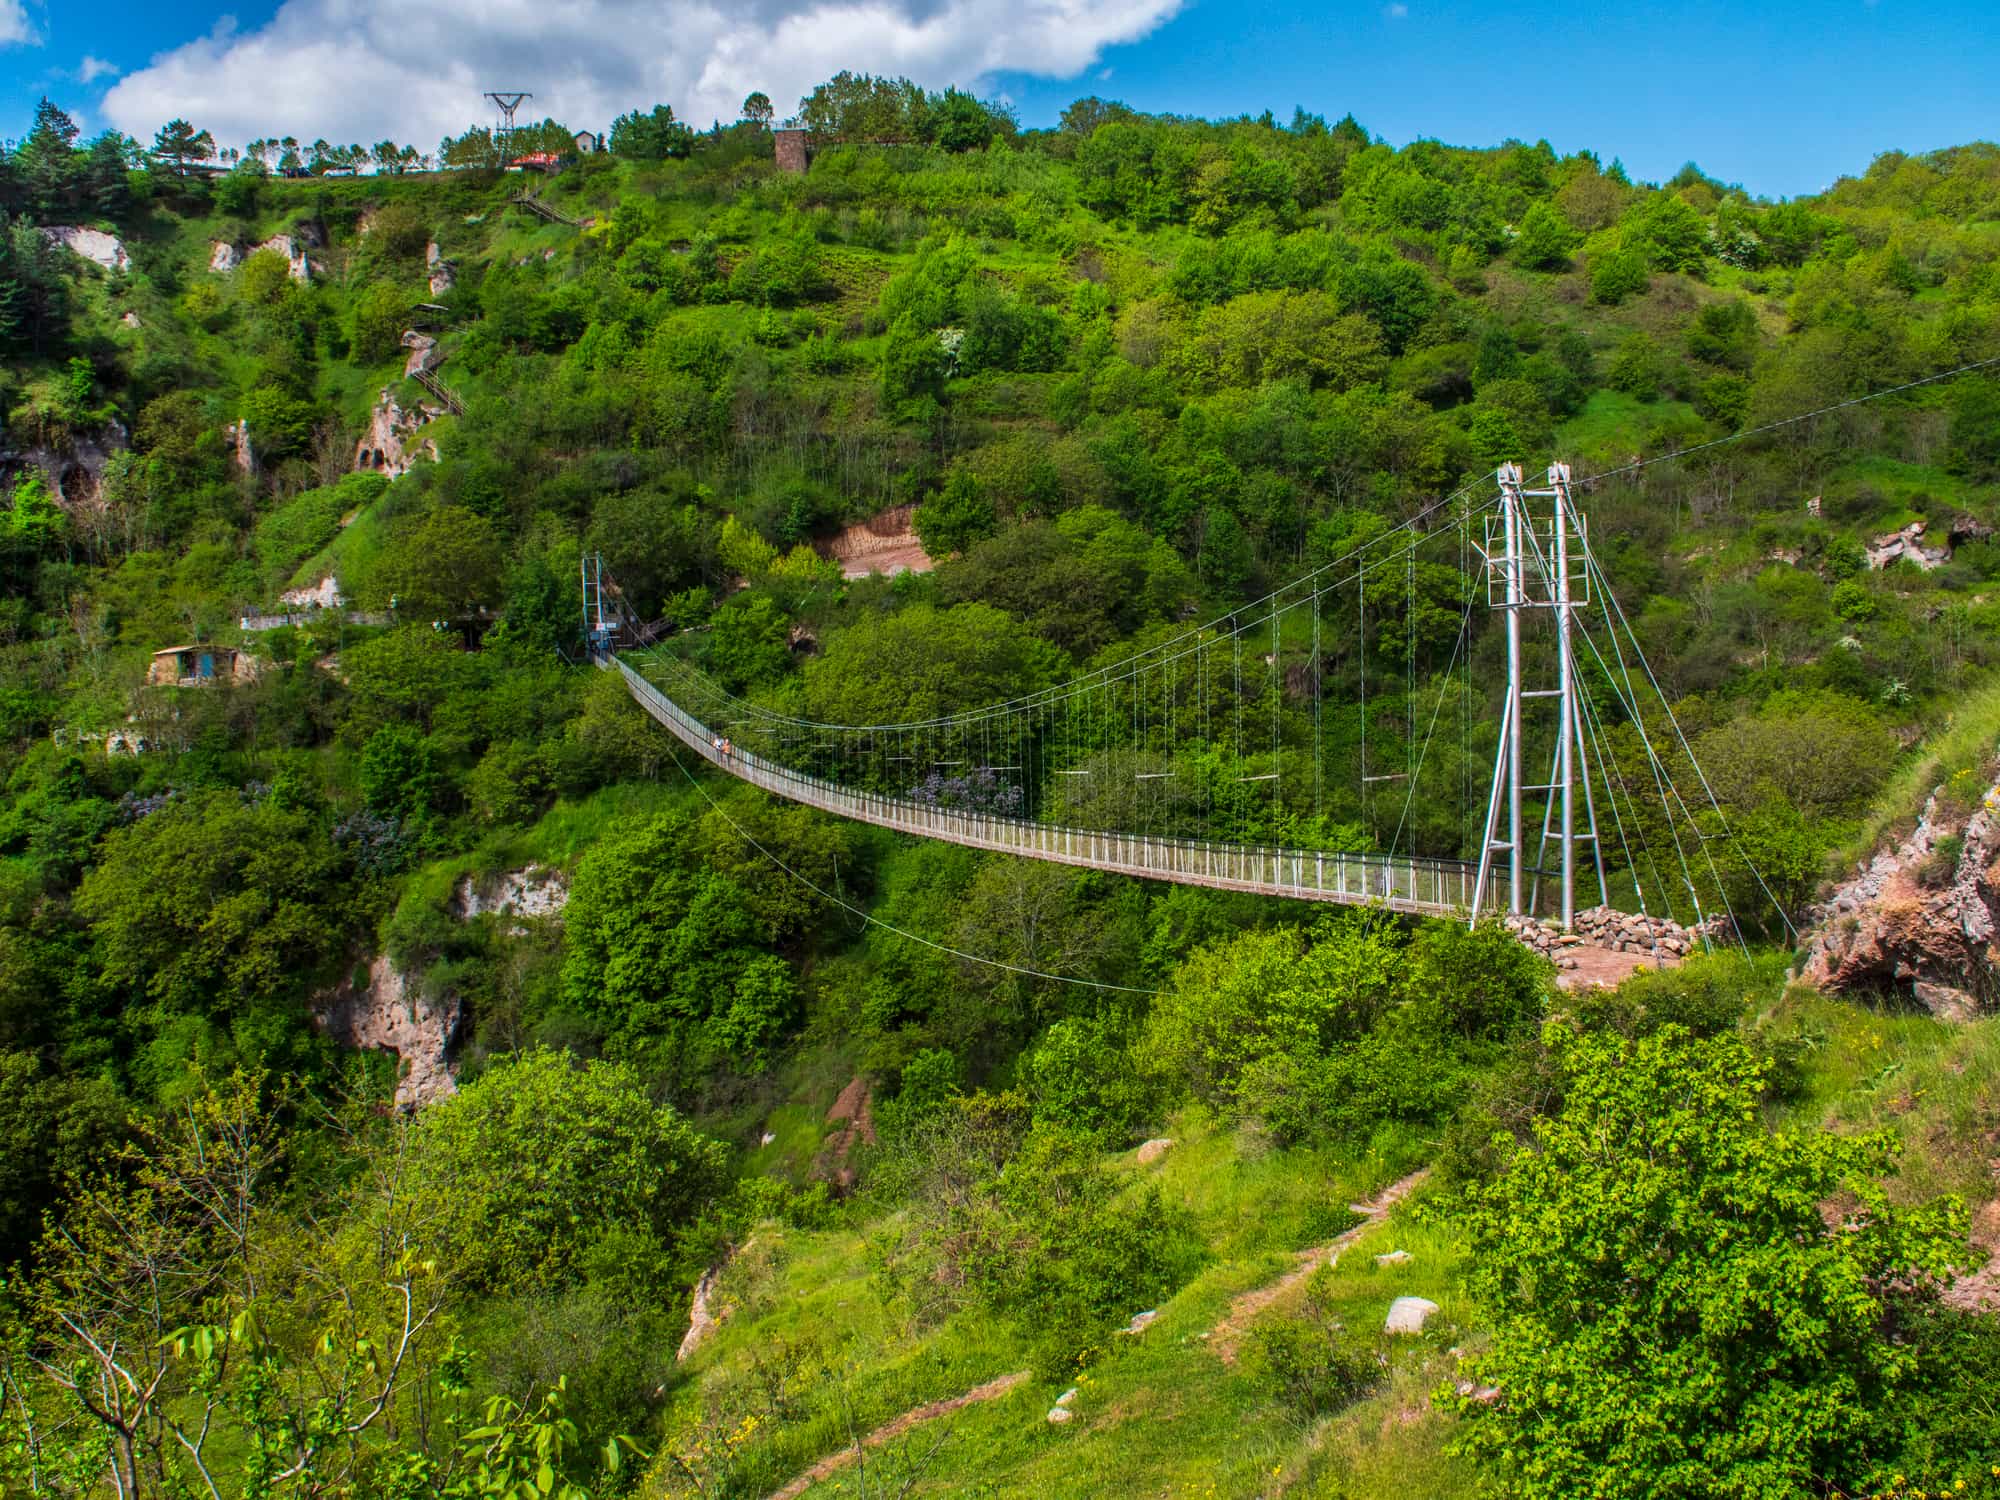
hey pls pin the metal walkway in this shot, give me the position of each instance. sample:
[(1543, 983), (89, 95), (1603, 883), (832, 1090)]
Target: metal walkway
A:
[(1425, 887)]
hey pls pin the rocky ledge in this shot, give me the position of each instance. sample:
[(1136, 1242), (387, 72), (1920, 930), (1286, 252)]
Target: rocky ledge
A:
[(1919, 918)]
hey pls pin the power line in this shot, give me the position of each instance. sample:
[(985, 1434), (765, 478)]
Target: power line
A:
[(1750, 432)]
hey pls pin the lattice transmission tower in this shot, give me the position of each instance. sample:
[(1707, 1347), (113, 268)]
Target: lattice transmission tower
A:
[(506, 102)]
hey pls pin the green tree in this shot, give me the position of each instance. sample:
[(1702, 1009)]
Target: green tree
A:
[(1546, 241), (180, 146), (539, 1158), (444, 565), (1617, 274), (922, 661), (214, 905), (954, 519), (1675, 1311), (653, 136)]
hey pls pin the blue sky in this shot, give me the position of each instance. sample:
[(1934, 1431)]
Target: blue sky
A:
[(1782, 97)]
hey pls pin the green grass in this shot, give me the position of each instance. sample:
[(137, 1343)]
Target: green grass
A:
[(1612, 426), (1967, 738), (1930, 1083)]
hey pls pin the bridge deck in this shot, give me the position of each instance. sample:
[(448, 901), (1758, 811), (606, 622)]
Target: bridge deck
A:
[(1405, 883)]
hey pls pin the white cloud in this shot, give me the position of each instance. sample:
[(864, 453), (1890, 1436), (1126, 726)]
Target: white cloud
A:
[(15, 27), (364, 69), (1397, 11), (94, 68)]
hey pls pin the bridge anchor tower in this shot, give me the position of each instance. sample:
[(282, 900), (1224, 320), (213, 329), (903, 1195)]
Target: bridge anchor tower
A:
[(1538, 561)]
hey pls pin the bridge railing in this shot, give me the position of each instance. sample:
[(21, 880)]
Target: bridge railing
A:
[(1398, 882)]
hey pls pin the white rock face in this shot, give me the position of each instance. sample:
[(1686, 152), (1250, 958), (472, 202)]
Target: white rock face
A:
[(390, 445), (131, 320), (92, 244), (238, 434), (537, 891), (443, 274), (387, 1016), (322, 595), (294, 251), (223, 257), (423, 352), (1408, 1315)]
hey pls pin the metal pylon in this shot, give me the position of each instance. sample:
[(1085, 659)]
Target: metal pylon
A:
[(1538, 562)]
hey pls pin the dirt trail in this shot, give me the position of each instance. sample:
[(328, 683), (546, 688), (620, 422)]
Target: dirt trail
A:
[(1225, 1337), (1979, 1291), (1598, 967), (833, 1463)]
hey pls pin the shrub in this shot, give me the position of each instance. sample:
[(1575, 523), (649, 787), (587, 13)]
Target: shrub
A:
[(538, 1159), (1664, 1281), (1311, 1363)]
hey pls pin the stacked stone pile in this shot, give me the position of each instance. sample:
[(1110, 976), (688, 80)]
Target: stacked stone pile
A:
[(1618, 931)]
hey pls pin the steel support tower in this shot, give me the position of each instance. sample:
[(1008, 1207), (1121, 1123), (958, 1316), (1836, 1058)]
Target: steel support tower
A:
[(506, 101), (1538, 561)]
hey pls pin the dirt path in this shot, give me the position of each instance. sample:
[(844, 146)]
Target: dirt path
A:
[(833, 1463), (1603, 967), (1979, 1291), (1225, 1337)]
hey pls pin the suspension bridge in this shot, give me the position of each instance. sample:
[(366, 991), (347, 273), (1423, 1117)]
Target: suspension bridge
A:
[(1267, 750)]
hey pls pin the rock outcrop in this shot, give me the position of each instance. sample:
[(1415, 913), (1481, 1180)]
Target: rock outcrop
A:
[(293, 248), (238, 434), (93, 245), (537, 891), (390, 445), (1920, 917), (443, 274), (322, 595), (884, 543), (424, 353), (76, 472), (388, 1014), (223, 257), (1908, 545)]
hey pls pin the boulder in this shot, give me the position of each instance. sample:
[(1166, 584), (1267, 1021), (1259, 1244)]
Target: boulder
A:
[(322, 595), (1908, 545), (1153, 1150), (1394, 1258), (1408, 1315), (1060, 1414), (223, 257)]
